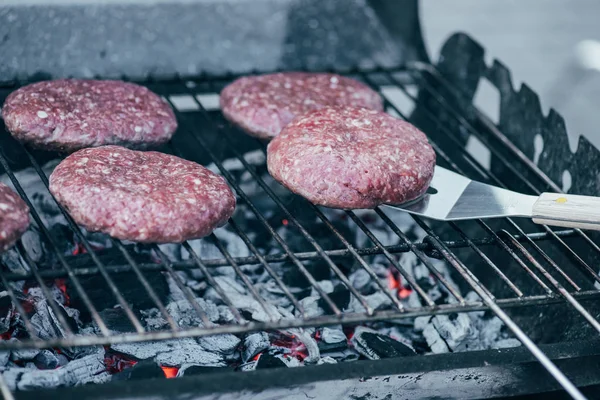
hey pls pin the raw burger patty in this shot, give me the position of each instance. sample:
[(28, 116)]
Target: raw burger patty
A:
[(263, 105), (141, 196), (352, 158), (71, 114), (14, 217)]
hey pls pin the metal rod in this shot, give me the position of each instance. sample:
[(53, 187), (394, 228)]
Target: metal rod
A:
[(489, 262), (213, 283), (52, 303), (451, 289), (18, 305), (153, 296), (243, 277), (181, 285), (5, 390), (277, 257), (268, 268), (391, 259), (555, 283)]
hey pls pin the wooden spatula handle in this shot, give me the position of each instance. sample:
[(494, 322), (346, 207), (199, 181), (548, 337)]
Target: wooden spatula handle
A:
[(567, 210)]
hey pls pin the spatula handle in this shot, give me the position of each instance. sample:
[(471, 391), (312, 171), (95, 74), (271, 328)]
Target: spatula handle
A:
[(567, 210)]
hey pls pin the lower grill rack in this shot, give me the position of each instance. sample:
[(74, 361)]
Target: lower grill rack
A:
[(285, 273)]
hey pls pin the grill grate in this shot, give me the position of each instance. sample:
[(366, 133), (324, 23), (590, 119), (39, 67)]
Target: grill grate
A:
[(525, 245)]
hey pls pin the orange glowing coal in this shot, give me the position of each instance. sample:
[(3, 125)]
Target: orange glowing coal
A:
[(170, 372), (394, 281)]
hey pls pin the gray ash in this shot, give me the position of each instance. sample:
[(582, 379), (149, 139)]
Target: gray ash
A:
[(28, 369)]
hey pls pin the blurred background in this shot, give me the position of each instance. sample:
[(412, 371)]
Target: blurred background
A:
[(552, 45)]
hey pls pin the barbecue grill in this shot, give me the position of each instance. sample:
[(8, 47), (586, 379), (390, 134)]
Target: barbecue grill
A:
[(541, 283)]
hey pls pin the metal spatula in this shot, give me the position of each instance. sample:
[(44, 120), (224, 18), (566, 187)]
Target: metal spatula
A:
[(452, 197)]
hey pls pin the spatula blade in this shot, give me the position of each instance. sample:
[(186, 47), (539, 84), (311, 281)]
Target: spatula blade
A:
[(453, 197)]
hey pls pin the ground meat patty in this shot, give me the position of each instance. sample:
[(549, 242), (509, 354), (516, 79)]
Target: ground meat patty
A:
[(352, 158), (141, 196), (71, 114), (263, 105), (14, 217)]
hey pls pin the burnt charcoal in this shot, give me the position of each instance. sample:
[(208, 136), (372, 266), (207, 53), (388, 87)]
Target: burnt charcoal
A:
[(254, 344), (88, 369), (12, 261), (331, 339), (172, 353), (340, 296), (266, 360), (23, 354), (4, 357), (145, 369), (293, 277), (200, 370), (116, 320), (326, 360), (33, 245), (128, 284), (63, 237), (375, 346), (6, 312), (47, 359), (224, 344)]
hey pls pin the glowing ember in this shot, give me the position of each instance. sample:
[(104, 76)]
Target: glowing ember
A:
[(256, 357), (116, 363), (170, 372), (348, 331), (285, 222), (296, 348), (61, 283), (394, 281), (79, 249)]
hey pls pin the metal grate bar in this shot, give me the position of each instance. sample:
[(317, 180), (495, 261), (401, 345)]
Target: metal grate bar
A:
[(268, 268), (510, 251), (8, 287), (364, 264), (243, 195), (50, 299), (86, 244), (213, 283), (391, 259), (189, 296), (489, 262), (421, 256), (555, 283), (243, 277), (231, 260), (281, 257), (95, 315), (146, 284)]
